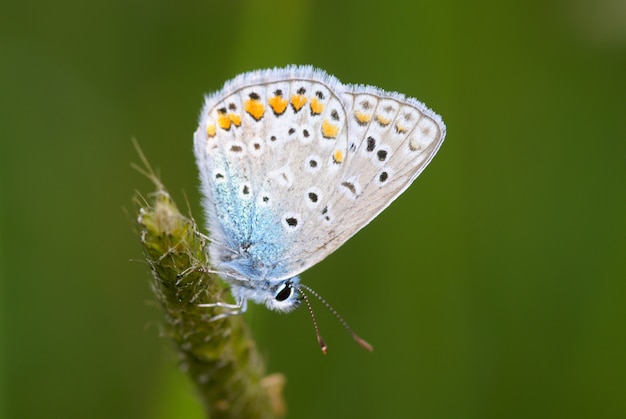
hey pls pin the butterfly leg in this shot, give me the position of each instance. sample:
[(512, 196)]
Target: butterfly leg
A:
[(233, 309)]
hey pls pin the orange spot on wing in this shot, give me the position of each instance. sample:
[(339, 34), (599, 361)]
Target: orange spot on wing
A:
[(298, 101), (329, 130), (235, 119), (316, 106), (254, 108), (362, 118), (338, 156), (382, 120), (210, 130), (223, 121), (278, 104), (400, 129)]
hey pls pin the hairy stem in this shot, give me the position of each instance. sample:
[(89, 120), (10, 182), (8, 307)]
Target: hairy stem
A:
[(219, 356)]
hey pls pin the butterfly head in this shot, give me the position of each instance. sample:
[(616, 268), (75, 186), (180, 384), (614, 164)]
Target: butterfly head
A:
[(280, 295), (285, 296)]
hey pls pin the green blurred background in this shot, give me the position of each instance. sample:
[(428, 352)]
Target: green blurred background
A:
[(494, 287)]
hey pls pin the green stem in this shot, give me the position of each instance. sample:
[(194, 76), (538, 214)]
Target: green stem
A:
[(219, 356)]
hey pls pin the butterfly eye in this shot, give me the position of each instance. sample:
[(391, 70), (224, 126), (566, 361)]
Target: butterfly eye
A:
[(284, 293)]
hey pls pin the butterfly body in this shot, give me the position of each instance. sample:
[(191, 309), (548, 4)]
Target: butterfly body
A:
[(293, 163)]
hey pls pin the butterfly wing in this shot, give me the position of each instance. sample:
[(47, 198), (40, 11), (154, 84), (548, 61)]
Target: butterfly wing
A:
[(293, 163), (269, 147), (391, 139)]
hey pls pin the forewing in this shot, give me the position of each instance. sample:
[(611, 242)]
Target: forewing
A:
[(270, 152)]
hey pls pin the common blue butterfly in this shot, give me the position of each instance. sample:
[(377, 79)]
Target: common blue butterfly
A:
[(292, 164)]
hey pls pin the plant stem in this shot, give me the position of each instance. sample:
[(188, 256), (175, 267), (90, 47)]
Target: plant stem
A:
[(219, 356)]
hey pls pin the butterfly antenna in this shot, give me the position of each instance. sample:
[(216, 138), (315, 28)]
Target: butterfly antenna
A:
[(364, 344), (317, 330)]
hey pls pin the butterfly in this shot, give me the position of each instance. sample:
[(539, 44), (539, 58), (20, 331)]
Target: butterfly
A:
[(292, 164)]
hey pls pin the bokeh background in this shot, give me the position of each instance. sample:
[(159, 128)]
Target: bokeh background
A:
[(494, 287)]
